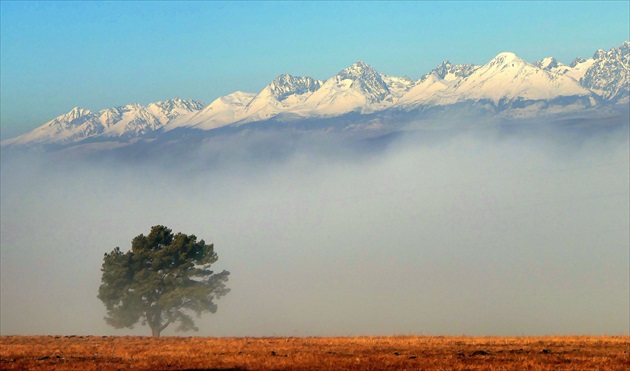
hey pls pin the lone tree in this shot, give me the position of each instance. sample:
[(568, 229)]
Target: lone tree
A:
[(162, 280)]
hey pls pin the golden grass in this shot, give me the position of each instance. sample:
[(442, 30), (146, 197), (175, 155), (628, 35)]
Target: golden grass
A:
[(339, 353)]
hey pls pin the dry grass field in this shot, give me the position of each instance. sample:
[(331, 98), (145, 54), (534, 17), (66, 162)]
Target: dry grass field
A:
[(350, 353)]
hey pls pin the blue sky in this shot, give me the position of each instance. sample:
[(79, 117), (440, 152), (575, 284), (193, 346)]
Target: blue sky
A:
[(57, 55)]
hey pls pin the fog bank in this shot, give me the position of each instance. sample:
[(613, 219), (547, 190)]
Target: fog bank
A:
[(478, 233)]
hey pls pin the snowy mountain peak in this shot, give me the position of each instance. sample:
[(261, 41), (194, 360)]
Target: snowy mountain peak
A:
[(172, 108), (448, 71), (506, 60), (222, 111), (600, 53), (364, 80), (506, 83), (132, 107), (358, 87), (443, 69), (284, 92), (549, 63), (238, 97), (171, 104), (127, 121), (62, 129), (608, 74), (74, 113), (177, 104), (358, 70), (577, 61), (233, 101), (286, 85)]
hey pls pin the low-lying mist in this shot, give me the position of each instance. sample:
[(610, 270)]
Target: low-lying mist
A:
[(480, 233)]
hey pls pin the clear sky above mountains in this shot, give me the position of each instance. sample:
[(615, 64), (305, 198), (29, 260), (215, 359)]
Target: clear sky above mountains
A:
[(57, 55)]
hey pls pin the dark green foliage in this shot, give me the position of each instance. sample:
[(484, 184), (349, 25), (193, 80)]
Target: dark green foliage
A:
[(162, 280)]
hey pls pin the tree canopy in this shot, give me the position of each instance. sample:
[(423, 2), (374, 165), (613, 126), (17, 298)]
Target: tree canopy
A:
[(163, 279)]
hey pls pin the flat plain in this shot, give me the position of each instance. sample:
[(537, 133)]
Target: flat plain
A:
[(315, 353)]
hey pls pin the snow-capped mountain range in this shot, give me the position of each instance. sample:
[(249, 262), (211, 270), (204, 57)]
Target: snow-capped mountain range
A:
[(132, 120), (506, 87)]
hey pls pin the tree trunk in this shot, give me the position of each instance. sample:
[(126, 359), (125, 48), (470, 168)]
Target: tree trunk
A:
[(153, 320), (155, 331)]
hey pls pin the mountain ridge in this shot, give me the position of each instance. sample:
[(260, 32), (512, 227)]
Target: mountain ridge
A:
[(507, 86)]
